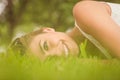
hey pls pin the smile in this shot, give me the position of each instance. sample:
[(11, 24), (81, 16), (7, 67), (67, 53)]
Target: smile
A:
[(66, 50)]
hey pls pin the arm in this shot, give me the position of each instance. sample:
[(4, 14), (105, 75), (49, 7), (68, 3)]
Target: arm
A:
[(94, 18)]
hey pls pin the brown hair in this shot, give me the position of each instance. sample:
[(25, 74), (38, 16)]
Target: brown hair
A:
[(20, 45)]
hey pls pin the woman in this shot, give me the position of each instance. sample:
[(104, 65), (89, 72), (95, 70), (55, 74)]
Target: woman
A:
[(99, 22)]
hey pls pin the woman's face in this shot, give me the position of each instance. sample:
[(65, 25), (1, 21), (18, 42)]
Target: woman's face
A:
[(53, 43)]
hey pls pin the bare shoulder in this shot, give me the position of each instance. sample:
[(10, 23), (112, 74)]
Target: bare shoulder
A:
[(91, 5), (91, 14)]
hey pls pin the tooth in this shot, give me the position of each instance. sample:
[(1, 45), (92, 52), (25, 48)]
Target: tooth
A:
[(66, 50)]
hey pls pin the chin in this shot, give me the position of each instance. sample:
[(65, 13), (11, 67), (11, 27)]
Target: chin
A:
[(74, 50)]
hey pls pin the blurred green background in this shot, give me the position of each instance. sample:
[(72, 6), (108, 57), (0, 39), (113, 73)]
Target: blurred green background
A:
[(24, 15)]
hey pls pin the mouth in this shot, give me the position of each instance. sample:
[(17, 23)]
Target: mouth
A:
[(66, 49)]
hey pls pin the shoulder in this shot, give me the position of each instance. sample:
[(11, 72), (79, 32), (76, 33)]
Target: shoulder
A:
[(85, 6)]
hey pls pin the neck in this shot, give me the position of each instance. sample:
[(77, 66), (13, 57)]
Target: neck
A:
[(76, 35)]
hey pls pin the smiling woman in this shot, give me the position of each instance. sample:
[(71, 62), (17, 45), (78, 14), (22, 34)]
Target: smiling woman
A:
[(53, 43), (47, 42), (97, 21)]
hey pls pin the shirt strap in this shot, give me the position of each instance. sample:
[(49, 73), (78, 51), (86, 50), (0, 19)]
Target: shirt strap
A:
[(94, 41)]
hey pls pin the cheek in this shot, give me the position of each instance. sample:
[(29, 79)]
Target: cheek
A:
[(58, 51), (34, 48)]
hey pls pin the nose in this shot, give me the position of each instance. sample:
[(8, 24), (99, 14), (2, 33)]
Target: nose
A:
[(58, 48), (57, 45)]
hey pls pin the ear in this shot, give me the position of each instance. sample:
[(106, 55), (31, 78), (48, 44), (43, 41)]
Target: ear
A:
[(48, 30)]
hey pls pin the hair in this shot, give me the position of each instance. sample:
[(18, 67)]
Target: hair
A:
[(20, 45)]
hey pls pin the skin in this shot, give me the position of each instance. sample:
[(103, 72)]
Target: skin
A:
[(52, 43), (95, 19), (92, 17)]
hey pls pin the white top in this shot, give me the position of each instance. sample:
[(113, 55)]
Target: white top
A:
[(116, 17), (115, 8)]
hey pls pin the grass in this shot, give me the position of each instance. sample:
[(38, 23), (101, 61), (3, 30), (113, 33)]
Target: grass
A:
[(16, 67)]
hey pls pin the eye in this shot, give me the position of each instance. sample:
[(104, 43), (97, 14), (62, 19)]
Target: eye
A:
[(45, 46)]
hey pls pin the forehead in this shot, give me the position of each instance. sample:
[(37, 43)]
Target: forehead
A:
[(50, 34), (44, 36)]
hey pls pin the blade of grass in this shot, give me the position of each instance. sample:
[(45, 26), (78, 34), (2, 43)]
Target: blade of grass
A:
[(83, 49)]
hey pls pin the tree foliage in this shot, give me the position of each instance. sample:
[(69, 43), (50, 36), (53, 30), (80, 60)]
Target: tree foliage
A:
[(51, 13)]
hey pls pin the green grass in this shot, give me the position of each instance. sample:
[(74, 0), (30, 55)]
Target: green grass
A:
[(16, 67)]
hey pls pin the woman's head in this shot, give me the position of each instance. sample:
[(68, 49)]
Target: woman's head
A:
[(48, 42)]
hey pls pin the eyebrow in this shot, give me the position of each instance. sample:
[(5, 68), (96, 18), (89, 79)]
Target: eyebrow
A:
[(41, 47)]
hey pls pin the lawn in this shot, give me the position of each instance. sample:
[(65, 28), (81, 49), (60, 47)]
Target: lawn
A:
[(16, 67), (30, 68)]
